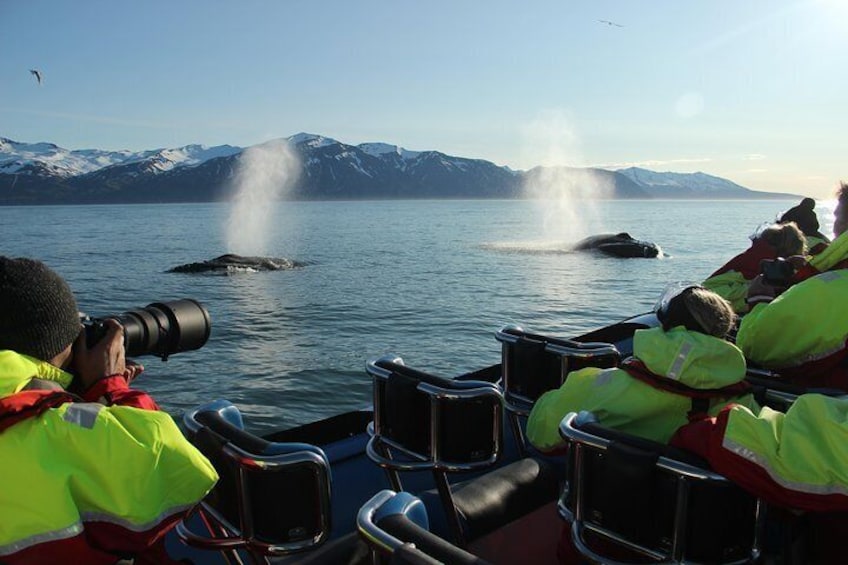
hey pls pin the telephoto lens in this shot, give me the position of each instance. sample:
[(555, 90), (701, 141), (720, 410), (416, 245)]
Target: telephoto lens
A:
[(160, 328)]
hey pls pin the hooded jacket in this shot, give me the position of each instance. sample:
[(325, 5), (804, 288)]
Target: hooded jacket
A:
[(731, 280), (797, 460), (802, 333), (85, 482), (620, 401)]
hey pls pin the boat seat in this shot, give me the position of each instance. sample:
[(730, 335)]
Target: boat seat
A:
[(630, 494), (423, 422), (534, 364), (271, 499), (395, 526), (771, 390)]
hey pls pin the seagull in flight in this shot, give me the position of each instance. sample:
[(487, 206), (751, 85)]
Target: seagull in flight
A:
[(37, 74), (609, 23)]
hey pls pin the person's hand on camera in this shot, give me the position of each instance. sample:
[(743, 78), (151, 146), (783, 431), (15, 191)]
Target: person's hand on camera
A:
[(133, 370), (798, 261), (105, 359), (760, 291)]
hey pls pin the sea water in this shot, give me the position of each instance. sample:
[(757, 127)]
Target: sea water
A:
[(429, 281)]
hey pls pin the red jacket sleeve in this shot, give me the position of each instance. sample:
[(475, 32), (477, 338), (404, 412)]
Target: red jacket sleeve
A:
[(697, 436), (748, 262), (116, 391)]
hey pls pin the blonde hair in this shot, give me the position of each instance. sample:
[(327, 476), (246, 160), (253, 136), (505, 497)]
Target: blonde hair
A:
[(787, 239), (701, 310)]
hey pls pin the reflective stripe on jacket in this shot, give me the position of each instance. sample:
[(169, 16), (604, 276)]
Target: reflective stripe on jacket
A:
[(623, 402), (798, 459), (113, 476)]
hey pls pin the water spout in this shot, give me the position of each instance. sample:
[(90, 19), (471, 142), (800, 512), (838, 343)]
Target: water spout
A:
[(265, 175)]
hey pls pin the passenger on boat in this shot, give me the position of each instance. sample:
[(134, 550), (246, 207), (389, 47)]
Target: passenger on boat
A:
[(731, 281), (803, 333), (840, 223), (796, 461), (682, 366), (804, 216), (835, 255), (93, 477)]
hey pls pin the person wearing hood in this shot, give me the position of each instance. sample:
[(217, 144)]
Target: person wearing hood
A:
[(731, 280), (90, 477), (804, 216), (801, 332), (683, 367)]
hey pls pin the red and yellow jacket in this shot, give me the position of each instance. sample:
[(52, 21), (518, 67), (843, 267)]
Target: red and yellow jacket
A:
[(623, 399), (796, 460), (803, 333), (84, 482), (731, 280)]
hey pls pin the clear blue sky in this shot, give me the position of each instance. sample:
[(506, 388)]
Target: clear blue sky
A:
[(752, 90)]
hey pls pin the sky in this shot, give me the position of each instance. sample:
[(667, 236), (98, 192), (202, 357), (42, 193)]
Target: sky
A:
[(755, 91)]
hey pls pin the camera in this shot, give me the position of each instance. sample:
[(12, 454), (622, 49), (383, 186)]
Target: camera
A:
[(160, 328), (777, 272)]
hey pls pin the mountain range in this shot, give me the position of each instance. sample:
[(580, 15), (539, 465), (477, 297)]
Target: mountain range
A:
[(44, 173)]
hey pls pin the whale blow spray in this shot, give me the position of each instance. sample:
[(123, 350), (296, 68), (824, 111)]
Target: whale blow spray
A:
[(568, 195), (266, 173)]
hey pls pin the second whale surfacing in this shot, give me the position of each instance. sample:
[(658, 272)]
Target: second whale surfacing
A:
[(619, 245), (231, 263)]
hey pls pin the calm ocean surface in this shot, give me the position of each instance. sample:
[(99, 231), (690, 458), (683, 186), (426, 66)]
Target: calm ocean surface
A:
[(430, 281)]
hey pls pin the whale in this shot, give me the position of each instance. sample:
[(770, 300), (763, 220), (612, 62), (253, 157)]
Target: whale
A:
[(618, 245), (230, 263)]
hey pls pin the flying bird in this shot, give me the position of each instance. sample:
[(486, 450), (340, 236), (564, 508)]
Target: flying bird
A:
[(609, 23), (37, 74)]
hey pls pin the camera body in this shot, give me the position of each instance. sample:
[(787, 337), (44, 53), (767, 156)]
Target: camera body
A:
[(777, 272), (160, 328)]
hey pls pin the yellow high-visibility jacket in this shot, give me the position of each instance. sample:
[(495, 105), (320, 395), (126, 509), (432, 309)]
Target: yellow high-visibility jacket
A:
[(83, 482)]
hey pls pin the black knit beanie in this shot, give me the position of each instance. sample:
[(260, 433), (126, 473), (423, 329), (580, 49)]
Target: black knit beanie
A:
[(38, 312), (804, 216)]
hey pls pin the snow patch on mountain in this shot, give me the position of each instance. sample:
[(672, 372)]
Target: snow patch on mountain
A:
[(380, 149), (311, 140), (16, 156), (695, 182)]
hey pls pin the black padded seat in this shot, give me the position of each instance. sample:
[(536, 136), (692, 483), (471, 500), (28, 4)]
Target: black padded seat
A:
[(533, 364), (423, 422), (628, 493), (271, 499), (498, 497)]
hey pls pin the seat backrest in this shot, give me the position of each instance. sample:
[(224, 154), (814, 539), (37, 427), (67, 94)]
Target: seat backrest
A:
[(772, 390), (272, 498), (394, 524), (534, 364), (434, 422), (651, 499)]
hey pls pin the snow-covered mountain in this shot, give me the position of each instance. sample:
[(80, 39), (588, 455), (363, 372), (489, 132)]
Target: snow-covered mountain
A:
[(17, 157), (671, 185), (42, 173)]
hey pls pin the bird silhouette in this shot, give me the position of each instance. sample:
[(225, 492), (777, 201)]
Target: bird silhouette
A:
[(37, 74), (609, 23)]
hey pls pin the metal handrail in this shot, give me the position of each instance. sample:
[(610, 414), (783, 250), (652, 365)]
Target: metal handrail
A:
[(245, 535), (684, 473), (460, 390)]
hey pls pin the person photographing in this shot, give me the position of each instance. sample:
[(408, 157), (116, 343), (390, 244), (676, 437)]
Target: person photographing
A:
[(94, 472)]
